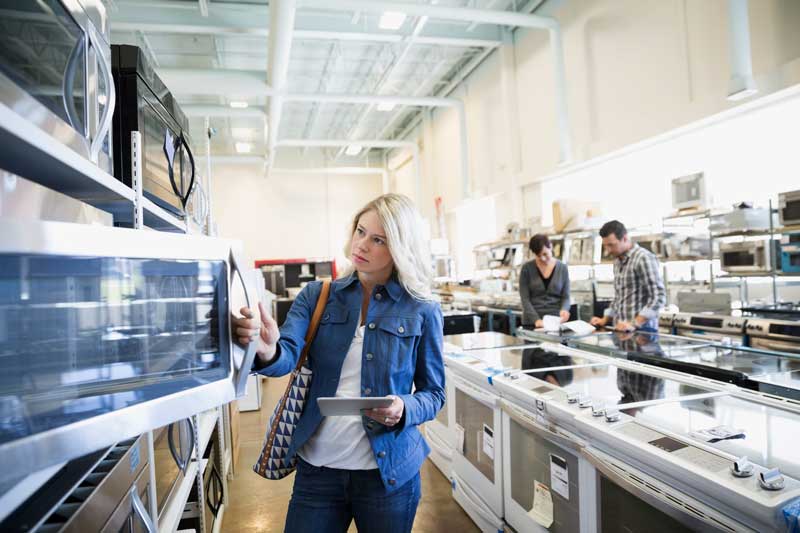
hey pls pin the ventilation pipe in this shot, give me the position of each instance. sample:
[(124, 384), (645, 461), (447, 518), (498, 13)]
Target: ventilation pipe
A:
[(281, 25), (741, 85)]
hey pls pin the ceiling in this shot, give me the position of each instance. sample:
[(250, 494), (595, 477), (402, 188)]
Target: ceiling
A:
[(333, 51)]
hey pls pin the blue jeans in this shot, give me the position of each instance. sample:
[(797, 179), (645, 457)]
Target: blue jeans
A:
[(326, 500)]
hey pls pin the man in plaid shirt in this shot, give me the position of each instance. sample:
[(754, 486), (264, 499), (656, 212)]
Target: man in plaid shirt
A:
[(638, 287)]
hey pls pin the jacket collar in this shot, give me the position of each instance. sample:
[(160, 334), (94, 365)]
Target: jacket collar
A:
[(393, 287)]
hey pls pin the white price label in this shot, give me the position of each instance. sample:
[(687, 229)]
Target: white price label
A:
[(488, 441), (542, 510), (559, 476)]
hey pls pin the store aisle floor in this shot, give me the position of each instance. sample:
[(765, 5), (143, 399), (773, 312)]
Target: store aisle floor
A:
[(259, 506)]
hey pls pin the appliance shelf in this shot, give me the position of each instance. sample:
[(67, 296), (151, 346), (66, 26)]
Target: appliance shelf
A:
[(158, 218), (27, 151)]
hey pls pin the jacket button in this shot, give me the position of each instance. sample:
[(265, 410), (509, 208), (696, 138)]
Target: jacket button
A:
[(392, 482), (401, 329), (367, 391), (378, 296), (381, 454), (326, 317), (371, 325), (369, 357)]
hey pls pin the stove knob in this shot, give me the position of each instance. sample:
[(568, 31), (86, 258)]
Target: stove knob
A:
[(573, 397), (612, 416), (741, 467), (585, 403), (771, 479), (598, 411)]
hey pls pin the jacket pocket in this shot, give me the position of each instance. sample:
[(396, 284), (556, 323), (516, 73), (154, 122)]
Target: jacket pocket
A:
[(398, 340)]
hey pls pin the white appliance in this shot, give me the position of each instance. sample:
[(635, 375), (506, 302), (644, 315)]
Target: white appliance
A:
[(789, 208), (690, 192), (439, 432), (663, 455)]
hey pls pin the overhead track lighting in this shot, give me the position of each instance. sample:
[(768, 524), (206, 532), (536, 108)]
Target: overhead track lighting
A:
[(385, 106), (238, 105), (353, 149), (243, 148)]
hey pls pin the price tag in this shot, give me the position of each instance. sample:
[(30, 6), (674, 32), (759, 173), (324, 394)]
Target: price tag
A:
[(488, 441), (559, 476), (542, 510)]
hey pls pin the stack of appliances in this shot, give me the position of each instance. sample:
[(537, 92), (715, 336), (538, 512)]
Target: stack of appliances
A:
[(145, 105)]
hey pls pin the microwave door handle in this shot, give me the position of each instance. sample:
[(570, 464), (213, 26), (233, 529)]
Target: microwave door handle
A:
[(185, 199), (170, 169), (171, 440), (108, 111), (242, 371), (140, 511), (68, 83)]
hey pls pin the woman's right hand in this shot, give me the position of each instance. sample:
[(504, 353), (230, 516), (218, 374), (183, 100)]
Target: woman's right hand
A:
[(249, 329), (539, 323)]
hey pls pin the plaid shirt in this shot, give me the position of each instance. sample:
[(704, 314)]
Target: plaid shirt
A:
[(638, 287)]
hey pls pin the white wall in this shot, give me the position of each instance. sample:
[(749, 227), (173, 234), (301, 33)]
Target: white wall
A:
[(288, 215), (635, 70)]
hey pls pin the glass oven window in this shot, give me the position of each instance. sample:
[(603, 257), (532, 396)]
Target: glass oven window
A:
[(43, 50), (622, 511), (89, 335), (472, 415)]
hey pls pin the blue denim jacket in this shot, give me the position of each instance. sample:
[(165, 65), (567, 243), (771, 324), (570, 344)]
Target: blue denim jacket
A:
[(402, 347)]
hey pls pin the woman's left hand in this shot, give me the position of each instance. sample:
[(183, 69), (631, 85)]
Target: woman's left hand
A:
[(564, 315), (388, 416)]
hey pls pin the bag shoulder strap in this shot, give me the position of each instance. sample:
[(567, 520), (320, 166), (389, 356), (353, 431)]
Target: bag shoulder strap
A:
[(315, 320)]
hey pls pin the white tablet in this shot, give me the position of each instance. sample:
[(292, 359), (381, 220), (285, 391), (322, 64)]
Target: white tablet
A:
[(351, 406)]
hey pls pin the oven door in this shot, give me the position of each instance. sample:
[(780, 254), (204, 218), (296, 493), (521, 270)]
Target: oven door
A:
[(632, 501), (111, 333), (774, 345), (131, 515), (477, 458), (534, 454), (789, 208)]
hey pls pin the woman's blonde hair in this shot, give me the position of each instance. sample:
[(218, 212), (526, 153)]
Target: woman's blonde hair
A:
[(403, 227)]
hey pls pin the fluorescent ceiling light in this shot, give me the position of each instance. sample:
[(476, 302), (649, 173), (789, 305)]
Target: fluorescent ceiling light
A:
[(243, 148), (385, 106), (353, 149), (742, 94), (391, 20), (243, 133), (238, 104)]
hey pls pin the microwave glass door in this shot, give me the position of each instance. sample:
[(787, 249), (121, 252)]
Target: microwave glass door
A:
[(43, 51), (160, 152), (86, 336), (739, 258), (791, 212)]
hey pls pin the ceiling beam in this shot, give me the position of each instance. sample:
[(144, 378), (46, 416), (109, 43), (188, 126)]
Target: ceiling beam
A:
[(203, 6), (337, 143), (281, 26)]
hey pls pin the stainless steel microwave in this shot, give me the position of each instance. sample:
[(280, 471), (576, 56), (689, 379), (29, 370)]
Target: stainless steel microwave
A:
[(146, 105), (109, 333), (789, 208), (55, 72), (746, 257)]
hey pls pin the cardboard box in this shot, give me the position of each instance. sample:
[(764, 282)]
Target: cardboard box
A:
[(570, 214)]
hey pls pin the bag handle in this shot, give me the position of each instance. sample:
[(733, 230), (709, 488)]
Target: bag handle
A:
[(316, 318)]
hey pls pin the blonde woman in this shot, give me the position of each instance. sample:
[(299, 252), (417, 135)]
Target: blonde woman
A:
[(381, 334)]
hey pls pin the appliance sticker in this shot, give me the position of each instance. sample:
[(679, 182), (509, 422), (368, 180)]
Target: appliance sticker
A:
[(488, 441), (718, 433), (459, 439), (169, 147), (542, 510), (559, 476), (135, 458)]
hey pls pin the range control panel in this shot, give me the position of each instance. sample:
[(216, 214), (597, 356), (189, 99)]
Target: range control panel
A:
[(766, 485)]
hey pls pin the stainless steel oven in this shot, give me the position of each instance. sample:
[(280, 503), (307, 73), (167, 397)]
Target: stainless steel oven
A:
[(789, 208), (55, 71), (110, 333), (146, 105), (214, 492), (747, 256)]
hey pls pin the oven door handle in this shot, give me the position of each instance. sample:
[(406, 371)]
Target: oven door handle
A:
[(68, 84), (139, 509), (108, 110), (185, 198), (242, 364), (180, 460), (215, 482)]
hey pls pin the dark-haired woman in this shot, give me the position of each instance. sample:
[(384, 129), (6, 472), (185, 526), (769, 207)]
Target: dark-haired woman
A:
[(543, 285)]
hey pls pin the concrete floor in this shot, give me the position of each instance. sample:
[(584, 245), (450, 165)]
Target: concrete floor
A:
[(257, 505)]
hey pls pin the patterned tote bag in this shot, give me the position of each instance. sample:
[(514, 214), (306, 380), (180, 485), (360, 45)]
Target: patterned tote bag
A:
[(273, 463)]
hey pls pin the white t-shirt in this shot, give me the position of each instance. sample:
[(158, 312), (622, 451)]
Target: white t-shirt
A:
[(340, 441)]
